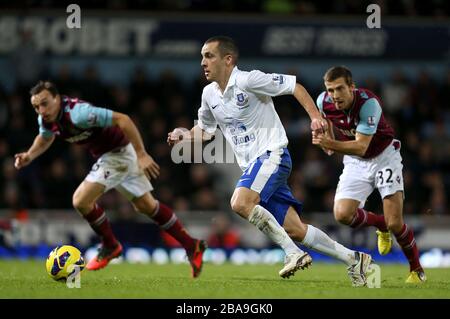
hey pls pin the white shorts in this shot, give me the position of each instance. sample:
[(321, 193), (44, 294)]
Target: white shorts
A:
[(119, 169), (361, 176)]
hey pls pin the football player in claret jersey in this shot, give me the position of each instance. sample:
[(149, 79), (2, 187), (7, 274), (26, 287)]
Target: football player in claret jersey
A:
[(122, 163), (372, 160), (240, 103)]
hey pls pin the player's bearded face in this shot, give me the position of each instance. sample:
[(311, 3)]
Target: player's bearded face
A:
[(46, 105), (341, 93)]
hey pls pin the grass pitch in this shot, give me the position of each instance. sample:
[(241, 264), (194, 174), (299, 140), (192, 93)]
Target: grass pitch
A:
[(28, 279)]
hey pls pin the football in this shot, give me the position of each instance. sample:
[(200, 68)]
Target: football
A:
[(64, 261)]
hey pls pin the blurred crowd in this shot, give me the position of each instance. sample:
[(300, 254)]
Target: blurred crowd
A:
[(416, 107), (435, 8)]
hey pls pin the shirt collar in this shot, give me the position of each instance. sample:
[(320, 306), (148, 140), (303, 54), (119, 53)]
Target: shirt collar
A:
[(231, 80)]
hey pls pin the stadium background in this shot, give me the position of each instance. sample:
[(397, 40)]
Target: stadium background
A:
[(143, 59)]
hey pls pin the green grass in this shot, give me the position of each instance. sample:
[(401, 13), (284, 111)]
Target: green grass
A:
[(28, 279)]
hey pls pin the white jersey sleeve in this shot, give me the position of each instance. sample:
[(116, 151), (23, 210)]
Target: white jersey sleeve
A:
[(269, 84), (206, 119)]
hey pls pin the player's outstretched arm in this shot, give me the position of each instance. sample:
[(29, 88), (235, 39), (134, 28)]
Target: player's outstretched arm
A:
[(196, 134), (39, 146), (145, 161), (303, 97), (356, 147)]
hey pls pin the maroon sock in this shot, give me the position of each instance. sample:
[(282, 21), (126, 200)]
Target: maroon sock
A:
[(407, 242), (364, 218), (168, 221), (6, 225), (100, 224)]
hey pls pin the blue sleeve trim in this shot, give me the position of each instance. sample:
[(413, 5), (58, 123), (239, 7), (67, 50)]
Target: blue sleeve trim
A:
[(84, 115), (320, 101), (42, 130), (369, 117)]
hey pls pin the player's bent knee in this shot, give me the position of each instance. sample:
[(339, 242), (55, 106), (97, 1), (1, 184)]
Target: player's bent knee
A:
[(238, 206), (242, 207), (81, 205), (343, 216), (394, 224)]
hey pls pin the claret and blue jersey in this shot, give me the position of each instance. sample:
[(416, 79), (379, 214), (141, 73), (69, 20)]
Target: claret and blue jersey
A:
[(365, 116), (82, 123)]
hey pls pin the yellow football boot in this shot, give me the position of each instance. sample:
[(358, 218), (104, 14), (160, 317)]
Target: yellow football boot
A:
[(384, 242), (416, 277)]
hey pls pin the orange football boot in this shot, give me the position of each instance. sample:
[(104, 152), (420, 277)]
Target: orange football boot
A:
[(196, 257), (104, 256)]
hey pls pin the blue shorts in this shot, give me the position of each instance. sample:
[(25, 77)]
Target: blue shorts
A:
[(268, 176)]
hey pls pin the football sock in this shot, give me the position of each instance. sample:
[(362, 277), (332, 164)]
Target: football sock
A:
[(169, 222), (6, 225), (264, 220), (320, 242), (100, 224), (363, 218), (407, 242)]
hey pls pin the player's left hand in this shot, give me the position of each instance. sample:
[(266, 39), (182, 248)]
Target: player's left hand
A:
[(319, 139), (149, 166)]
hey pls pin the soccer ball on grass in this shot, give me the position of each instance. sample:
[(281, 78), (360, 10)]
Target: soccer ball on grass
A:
[(64, 261)]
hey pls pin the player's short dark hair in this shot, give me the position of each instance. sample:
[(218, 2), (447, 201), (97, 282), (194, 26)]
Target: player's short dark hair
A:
[(337, 72), (226, 45), (44, 85)]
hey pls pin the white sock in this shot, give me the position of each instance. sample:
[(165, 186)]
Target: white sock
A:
[(319, 241), (264, 220)]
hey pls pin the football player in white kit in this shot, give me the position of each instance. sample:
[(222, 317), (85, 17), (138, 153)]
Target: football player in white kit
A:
[(240, 103)]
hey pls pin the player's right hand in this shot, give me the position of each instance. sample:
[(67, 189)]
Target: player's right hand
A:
[(148, 165), (319, 125), (177, 135), (22, 160)]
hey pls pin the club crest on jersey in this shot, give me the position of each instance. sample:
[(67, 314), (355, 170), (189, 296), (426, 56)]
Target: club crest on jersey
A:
[(371, 120), (241, 99)]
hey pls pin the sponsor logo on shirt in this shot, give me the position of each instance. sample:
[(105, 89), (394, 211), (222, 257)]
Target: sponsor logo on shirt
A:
[(238, 130), (371, 120), (238, 140), (83, 136), (236, 127), (349, 133)]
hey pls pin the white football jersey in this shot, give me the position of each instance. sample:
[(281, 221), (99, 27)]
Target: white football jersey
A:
[(245, 112)]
